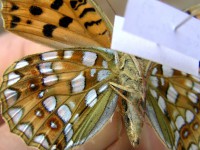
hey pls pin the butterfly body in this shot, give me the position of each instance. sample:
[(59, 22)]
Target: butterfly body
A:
[(133, 76), (60, 99)]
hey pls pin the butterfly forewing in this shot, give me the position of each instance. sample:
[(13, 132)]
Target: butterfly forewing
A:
[(173, 107), (58, 23), (194, 11), (59, 98)]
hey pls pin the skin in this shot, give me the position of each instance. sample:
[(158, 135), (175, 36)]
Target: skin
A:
[(112, 136)]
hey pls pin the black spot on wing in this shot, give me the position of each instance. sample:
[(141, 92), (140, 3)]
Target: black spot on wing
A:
[(29, 22), (35, 10), (73, 4), (57, 4), (76, 4), (65, 21), (85, 11), (48, 30), (14, 7), (88, 24), (188, 12), (14, 21), (104, 32), (59, 145)]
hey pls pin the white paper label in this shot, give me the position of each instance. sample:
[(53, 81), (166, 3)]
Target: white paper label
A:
[(156, 21), (134, 45)]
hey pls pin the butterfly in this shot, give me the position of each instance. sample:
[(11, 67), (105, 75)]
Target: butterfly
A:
[(60, 99)]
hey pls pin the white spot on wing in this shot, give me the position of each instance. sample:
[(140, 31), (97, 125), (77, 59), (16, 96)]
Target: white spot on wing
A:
[(15, 114), (188, 83), (41, 94), (154, 93), (50, 80), (184, 74), (76, 116), (91, 98), (186, 133), (196, 87), (68, 54), (196, 126), (69, 145), (38, 113), (196, 78), (50, 103), (68, 131), (49, 55), (26, 129), (92, 72), (45, 67), (189, 116), (89, 58), (11, 96), (193, 147), (167, 71), (64, 113), (162, 105), (53, 147), (71, 104), (177, 137), (103, 88), (193, 97), (42, 140), (155, 70), (78, 83), (172, 94), (21, 64), (13, 78), (162, 81), (179, 122), (154, 81), (53, 125), (172, 125), (103, 74), (105, 64)]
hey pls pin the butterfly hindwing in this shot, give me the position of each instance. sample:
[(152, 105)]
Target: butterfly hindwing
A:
[(59, 98), (58, 23), (173, 107)]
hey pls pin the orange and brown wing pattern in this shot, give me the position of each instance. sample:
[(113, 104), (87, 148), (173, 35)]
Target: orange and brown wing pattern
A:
[(173, 107), (194, 11), (58, 23), (61, 98)]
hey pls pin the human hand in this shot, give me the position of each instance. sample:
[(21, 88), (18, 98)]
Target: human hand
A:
[(111, 137)]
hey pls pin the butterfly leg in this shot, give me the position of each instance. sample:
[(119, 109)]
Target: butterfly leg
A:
[(131, 116), (114, 86), (121, 87)]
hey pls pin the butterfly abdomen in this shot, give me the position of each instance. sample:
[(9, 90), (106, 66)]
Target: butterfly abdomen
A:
[(132, 122), (130, 77)]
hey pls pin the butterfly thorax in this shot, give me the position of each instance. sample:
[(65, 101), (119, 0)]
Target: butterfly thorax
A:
[(132, 78)]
